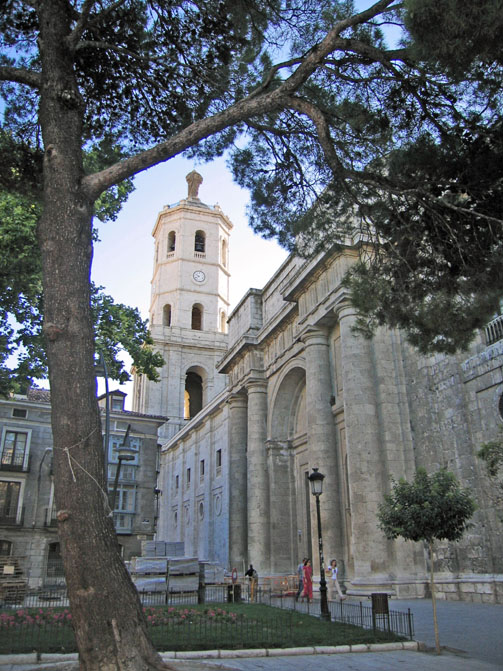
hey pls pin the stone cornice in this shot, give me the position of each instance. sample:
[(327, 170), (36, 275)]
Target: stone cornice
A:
[(193, 207)]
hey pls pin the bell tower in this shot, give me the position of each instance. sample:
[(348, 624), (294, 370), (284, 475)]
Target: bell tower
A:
[(188, 308)]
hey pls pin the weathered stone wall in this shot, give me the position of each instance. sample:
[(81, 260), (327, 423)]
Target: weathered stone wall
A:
[(453, 403)]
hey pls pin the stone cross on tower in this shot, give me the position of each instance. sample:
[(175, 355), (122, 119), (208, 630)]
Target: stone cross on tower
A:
[(194, 180)]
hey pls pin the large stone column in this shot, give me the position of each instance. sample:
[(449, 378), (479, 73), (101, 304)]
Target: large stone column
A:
[(258, 481), (238, 520), (365, 455), (321, 440)]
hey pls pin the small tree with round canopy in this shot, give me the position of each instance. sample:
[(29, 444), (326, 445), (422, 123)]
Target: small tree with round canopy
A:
[(431, 507)]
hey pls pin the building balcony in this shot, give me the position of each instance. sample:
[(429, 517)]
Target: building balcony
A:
[(16, 466), (494, 330), (123, 522), (9, 518)]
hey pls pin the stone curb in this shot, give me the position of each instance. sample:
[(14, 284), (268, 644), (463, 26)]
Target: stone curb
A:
[(33, 658)]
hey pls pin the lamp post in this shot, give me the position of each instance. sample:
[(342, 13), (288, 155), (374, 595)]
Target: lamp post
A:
[(316, 479), (125, 453), (102, 371)]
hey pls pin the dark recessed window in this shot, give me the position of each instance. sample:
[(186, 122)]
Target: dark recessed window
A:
[(19, 412)]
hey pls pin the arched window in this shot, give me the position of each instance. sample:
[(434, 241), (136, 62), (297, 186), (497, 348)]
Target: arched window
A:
[(171, 241), (200, 242), (223, 253), (197, 318), (166, 315), (193, 394), (223, 321)]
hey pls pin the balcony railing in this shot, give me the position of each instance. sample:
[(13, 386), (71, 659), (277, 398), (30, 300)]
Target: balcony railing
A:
[(17, 465), (10, 517), (494, 330)]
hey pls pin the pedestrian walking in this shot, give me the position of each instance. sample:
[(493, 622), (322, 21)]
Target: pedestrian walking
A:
[(307, 590), (300, 576), (333, 582), (252, 576)]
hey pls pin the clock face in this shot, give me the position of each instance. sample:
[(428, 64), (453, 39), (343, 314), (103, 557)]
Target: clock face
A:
[(199, 276)]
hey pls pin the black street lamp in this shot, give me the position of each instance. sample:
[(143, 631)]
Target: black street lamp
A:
[(316, 479)]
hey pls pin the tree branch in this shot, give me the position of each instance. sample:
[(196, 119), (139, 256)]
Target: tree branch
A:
[(189, 136), (255, 104), (74, 36), (21, 76)]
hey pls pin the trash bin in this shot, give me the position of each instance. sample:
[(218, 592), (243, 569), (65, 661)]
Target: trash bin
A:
[(380, 603), (234, 593)]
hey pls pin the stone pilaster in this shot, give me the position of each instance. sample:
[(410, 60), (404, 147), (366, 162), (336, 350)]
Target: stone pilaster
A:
[(365, 455), (282, 502), (322, 442), (258, 481), (238, 522)]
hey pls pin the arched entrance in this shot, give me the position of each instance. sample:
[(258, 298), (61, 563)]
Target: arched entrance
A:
[(287, 460)]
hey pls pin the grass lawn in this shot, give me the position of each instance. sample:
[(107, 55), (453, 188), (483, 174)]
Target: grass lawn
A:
[(204, 627)]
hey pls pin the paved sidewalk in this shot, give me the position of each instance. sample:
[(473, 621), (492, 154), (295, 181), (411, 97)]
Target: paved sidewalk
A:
[(474, 628)]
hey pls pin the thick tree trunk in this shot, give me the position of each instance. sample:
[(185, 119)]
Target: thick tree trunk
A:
[(107, 614)]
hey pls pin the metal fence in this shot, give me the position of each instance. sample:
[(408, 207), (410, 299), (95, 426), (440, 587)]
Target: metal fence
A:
[(42, 621), (347, 612), (27, 631)]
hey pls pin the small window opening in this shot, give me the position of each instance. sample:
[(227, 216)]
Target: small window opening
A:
[(197, 318), (223, 253), (166, 315), (200, 242), (19, 412), (171, 241)]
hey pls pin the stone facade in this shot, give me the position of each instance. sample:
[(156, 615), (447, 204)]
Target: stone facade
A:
[(28, 528), (304, 391)]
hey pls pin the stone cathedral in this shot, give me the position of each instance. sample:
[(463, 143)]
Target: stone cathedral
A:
[(258, 397)]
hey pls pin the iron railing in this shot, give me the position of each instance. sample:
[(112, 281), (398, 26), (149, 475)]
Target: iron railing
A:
[(49, 633)]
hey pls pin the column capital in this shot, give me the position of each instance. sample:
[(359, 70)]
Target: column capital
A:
[(256, 384), (238, 400), (344, 308), (314, 336)]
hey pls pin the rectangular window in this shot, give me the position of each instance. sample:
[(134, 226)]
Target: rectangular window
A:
[(188, 477), (14, 449), (126, 472), (201, 468), (123, 523), (9, 501), (117, 403), (116, 442), (177, 481), (219, 458), (125, 499), (19, 412)]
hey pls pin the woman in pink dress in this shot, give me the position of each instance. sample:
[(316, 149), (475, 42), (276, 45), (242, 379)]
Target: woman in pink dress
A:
[(308, 581)]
